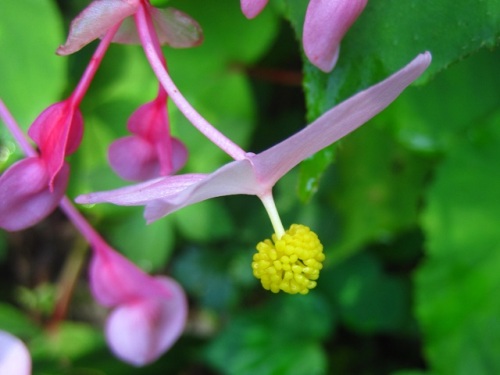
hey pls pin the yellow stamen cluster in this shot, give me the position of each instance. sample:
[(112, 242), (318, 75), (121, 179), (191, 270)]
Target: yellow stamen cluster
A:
[(291, 263)]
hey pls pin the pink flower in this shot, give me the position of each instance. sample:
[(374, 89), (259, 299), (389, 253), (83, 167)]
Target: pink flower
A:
[(172, 26), (325, 24), (151, 151), (257, 174), (33, 187), (57, 132), (251, 8), (14, 356), (149, 313)]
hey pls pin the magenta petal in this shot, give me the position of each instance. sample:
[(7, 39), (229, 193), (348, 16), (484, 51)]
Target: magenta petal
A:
[(140, 331), (25, 197), (153, 152), (251, 8), (14, 356), (325, 24), (58, 132), (134, 159), (94, 21), (115, 280), (179, 154), (334, 124)]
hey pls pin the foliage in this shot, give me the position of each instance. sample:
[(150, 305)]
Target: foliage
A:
[(407, 207)]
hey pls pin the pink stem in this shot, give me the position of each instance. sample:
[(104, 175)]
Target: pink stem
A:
[(16, 132), (82, 87), (149, 40)]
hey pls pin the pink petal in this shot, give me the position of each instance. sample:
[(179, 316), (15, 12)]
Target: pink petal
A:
[(58, 132), (94, 21), (133, 158), (325, 25), (173, 27), (25, 197), (141, 331), (252, 8), (257, 174), (14, 356), (336, 123), (139, 194), (168, 194), (157, 153), (179, 154), (114, 280)]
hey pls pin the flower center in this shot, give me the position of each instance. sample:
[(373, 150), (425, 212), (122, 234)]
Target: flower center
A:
[(291, 263)]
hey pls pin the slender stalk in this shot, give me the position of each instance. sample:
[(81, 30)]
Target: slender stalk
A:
[(149, 41), (84, 83), (67, 282), (270, 206), (16, 132)]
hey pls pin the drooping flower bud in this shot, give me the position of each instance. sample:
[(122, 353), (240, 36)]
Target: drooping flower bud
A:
[(151, 151)]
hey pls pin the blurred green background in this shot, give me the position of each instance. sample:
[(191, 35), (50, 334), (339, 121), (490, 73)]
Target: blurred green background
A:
[(407, 207)]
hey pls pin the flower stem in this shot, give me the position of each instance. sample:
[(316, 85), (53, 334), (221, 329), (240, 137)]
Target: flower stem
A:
[(150, 44), (84, 83), (16, 132), (270, 206)]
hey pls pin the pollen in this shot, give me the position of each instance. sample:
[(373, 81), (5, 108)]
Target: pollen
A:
[(291, 263)]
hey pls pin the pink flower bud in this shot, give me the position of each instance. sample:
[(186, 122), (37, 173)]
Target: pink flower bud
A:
[(151, 152), (57, 131), (325, 25), (142, 330), (149, 313)]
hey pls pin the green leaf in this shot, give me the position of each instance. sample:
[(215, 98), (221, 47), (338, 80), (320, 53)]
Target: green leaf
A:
[(379, 189), (16, 322), (387, 36), (368, 300), (69, 341), (458, 284), (431, 119), (31, 76), (281, 337), (204, 222), (148, 246), (203, 273)]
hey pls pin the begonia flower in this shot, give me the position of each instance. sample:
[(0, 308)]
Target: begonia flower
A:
[(148, 313), (33, 187), (325, 24), (172, 26), (251, 8), (15, 358), (151, 151), (256, 174)]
